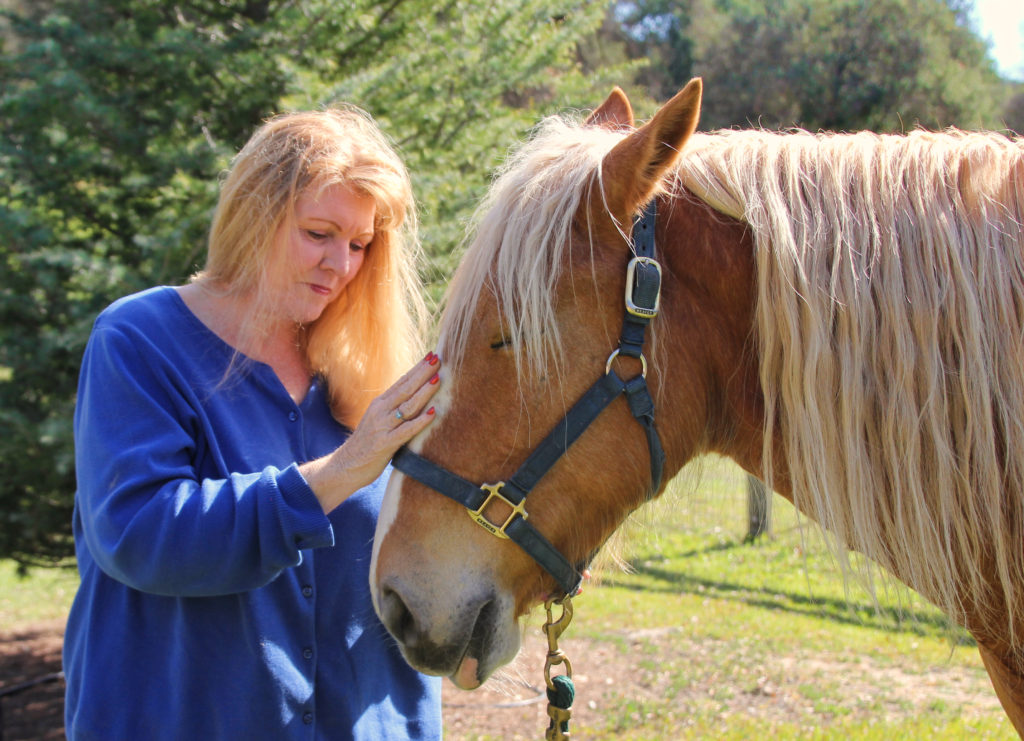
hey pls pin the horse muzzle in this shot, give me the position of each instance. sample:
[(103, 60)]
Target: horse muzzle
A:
[(465, 640)]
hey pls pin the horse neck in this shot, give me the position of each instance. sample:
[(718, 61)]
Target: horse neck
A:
[(711, 399)]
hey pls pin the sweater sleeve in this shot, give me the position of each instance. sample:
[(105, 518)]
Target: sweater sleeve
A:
[(146, 516)]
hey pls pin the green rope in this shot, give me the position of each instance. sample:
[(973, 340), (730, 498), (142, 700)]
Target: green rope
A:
[(564, 692), (561, 696)]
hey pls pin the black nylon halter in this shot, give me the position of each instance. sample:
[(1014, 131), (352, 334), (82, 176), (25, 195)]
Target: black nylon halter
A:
[(643, 291)]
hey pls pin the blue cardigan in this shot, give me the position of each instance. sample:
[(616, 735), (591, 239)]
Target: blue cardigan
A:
[(217, 600)]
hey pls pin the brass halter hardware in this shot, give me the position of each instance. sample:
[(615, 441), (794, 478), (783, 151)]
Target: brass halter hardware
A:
[(632, 307), (560, 714), (615, 354), (494, 492), (553, 629)]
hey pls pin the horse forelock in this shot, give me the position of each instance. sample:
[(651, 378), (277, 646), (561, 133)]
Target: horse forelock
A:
[(890, 315), (519, 244)]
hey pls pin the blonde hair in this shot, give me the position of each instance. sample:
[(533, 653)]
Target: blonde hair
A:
[(521, 233), (364, 339), (891, 328)]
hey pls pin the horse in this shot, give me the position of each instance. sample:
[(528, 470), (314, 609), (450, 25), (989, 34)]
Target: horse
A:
[(840, 314)]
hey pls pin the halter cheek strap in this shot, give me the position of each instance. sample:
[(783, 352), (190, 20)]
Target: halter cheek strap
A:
[(643, 290)]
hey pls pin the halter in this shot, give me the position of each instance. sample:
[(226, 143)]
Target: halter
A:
[(642, 299)]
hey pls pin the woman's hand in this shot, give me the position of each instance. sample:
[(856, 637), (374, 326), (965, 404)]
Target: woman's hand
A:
[(391, 420)]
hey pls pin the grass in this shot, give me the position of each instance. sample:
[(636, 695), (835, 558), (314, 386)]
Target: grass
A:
[(769, 638), (43, 595)]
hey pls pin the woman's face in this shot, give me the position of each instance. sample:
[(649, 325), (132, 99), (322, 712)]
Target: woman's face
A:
[(321, 249)]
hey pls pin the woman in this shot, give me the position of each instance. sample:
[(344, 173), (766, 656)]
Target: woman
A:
[(232, 437)]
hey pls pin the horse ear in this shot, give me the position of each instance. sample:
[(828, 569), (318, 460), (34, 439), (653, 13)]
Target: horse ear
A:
[(632, 170), (614, 113)]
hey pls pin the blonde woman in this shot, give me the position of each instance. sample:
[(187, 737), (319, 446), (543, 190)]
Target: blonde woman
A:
[(232, 440)]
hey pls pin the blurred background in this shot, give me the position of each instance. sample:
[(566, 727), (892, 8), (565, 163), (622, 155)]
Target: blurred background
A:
[(118, 116)]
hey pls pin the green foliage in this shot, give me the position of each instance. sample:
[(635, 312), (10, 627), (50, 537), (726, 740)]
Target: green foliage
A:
[(842, 65), (117, 116), (1013, 111), (115, 119), (464, 80)]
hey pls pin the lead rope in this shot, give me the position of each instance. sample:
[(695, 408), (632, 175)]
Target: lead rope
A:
[(561, 690)]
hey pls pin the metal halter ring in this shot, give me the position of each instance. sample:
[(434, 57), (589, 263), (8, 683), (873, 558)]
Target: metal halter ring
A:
[(399, 416), (615, 354)]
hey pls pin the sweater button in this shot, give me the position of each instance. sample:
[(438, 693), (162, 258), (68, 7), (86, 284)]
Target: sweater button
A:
[(307, 591), (307, 653), (292, 416), (307, 718)]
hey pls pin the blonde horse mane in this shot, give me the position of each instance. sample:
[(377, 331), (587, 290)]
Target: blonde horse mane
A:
[(521, 233), (890, 316)]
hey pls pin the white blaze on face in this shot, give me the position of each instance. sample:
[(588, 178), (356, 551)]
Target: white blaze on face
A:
[(393, 493)]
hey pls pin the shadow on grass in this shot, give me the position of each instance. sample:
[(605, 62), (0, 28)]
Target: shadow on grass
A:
[(842, 611)]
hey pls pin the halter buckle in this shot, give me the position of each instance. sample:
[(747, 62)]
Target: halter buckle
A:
[(643, 281), (494, 491)]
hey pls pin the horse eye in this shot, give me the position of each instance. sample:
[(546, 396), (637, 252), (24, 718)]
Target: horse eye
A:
[(500, 343)]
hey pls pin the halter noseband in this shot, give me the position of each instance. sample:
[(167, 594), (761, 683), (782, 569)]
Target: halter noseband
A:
[(643, 293)]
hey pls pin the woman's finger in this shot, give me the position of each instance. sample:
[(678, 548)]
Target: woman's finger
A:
[(407, 398), (415, 404), (415, 377), (413, 427)]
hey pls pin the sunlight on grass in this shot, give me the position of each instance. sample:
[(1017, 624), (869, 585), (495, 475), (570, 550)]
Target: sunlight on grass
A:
[(42, 595), (709, 617), (690, 545)]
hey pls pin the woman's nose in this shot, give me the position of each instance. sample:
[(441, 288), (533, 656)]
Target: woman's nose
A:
[(337, 258)]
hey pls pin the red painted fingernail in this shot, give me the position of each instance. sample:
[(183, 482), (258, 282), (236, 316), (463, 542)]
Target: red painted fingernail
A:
[(430, 411), (427, 357), (434, 358), (434, 380)]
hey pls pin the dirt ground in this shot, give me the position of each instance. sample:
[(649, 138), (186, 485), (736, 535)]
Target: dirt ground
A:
[(512, 705), (35, 714)]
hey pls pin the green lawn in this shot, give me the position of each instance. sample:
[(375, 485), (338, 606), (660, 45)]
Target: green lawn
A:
[(741, 641), (42, 596)]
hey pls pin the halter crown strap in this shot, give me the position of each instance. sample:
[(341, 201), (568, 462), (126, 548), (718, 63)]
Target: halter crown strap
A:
[(643, 285)]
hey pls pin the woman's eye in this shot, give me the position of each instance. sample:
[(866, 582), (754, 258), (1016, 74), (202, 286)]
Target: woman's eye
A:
[(356, 246), (315, 235)]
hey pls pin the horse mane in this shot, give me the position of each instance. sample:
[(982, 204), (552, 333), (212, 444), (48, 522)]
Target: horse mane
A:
[(521, 233), (889, 314), (890, 317)]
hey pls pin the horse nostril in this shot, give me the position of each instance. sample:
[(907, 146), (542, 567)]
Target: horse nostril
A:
[(397, 618)]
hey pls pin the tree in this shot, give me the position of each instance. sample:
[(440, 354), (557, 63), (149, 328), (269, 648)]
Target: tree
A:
[(116, 117), (1013, 113), (885, 65)]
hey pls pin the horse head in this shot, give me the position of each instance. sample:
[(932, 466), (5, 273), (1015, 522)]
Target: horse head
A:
[(533, 313)]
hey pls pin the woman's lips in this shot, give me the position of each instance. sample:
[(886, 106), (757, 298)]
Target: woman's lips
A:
[(321, 290)]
